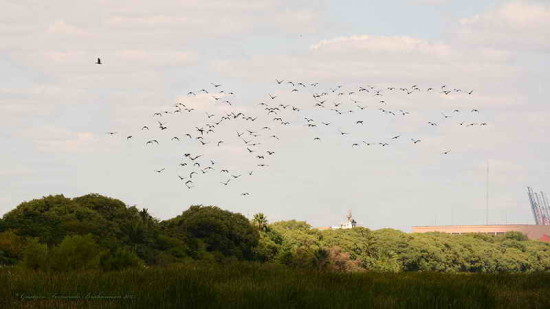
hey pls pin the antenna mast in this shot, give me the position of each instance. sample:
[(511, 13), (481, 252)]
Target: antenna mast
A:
[(487, 197)]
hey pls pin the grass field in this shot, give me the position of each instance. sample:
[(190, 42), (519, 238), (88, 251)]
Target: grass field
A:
[(250, 285)]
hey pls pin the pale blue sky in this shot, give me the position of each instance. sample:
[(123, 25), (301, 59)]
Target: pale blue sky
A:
[(56, 105)]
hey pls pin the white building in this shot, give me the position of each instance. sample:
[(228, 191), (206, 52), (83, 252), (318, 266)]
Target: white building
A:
[(348, 224)]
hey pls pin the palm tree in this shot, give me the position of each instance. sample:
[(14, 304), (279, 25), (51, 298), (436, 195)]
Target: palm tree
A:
[(260, 221)]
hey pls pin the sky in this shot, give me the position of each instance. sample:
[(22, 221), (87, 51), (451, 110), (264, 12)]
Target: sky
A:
[(56, 106)]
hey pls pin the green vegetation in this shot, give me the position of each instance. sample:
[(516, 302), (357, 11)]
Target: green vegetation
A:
[(263, 285), (104, 254), (94, 232)]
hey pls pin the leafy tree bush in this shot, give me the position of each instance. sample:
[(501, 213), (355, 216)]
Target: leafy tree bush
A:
[(119, 259), (75, 253), (35, 256), (513, 235), (220, 232), (94, 231), (11, 247)]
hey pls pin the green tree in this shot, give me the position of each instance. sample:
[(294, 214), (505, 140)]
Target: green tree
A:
[(11, 247), (35, 256), (513, 235), (260, 221), (219, 232), (75, 253), (119, 259)]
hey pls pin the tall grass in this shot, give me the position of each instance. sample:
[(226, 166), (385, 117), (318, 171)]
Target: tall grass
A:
[(250, 285)]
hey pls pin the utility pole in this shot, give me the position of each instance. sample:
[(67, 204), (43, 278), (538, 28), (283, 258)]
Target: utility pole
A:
[(487, 197)]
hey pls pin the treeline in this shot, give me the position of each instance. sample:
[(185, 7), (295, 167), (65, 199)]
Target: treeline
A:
[(56, 233)]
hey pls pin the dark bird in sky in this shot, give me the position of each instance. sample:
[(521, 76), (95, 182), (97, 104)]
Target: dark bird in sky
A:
[(446, 152), (317, 139), (279, 81), (227, 182), (270, 152), (415, 140), (219, 143), (236, 176), (195, 158), (249, 150), (215, 85), (250, 173), (191, 174), (359, 122), (475, 111), (111, 133), (152, 141), (129, 137), (175, 138), (272, 96), (396, 137), (98, 61), (158, 171), (181, 178), (187, 184), (245, 193)]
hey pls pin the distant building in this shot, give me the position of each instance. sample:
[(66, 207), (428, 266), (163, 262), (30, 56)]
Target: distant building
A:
[(348, 224), (536, 232)]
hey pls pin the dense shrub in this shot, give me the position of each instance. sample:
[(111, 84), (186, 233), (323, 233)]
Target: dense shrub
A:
[(97, 232), (219, 232)]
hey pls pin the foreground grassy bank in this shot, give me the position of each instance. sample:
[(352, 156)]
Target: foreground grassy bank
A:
[(254, 285)]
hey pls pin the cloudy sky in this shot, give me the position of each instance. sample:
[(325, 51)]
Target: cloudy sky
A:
[(56, 105)]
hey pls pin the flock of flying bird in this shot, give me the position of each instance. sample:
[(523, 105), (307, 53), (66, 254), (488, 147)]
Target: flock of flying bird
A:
[(257, 134)]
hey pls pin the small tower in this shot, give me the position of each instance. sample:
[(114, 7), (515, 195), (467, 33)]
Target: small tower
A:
[(351, 222)]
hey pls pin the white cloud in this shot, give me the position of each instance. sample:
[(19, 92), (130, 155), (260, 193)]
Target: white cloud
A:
[(381, 59), (54, 139), (517, 25), (61, 27)]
